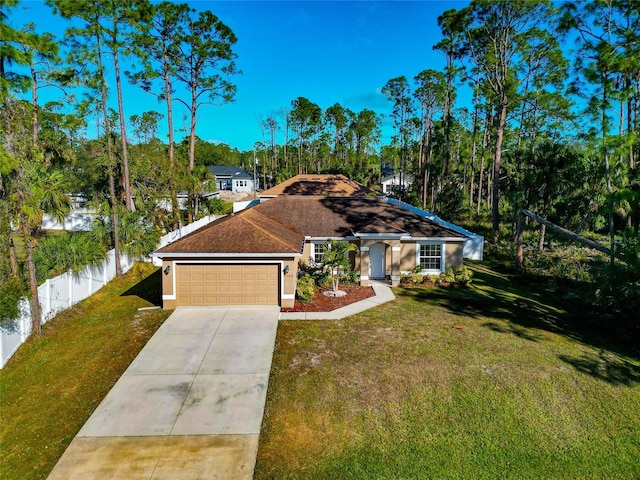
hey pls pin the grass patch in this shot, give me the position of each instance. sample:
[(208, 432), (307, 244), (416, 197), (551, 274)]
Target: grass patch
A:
[(498, 380), (54, 382)]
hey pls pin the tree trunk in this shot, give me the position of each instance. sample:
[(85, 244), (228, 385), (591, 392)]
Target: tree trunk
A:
[(36, 310), (112, 189), (34, 99), (543, 227), (495, 198), (485, 141), (128, 196), (175, 209), (569, 234), (519, 241), (13, 257), (192, 129), (114, 221)]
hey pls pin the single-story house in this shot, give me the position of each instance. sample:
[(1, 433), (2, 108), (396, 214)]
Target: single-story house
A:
[(394, 181), (252, 257), (183, 199), (233, 178)]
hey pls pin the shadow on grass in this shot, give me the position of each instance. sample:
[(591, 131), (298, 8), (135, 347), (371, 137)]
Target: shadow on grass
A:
[(516, 330), (527, 305), (149, 289), (612, 370)]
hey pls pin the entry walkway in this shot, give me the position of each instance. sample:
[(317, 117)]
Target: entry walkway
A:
[(189, 406)]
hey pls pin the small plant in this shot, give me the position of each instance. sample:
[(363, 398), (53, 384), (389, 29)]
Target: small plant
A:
[(352, 277), (431, 278), (460, 276), (305, 288), (317, 272), (335, 259), (10, 293), (411, 278)]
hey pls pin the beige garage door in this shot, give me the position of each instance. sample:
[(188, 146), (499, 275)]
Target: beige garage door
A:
[(227, 284)]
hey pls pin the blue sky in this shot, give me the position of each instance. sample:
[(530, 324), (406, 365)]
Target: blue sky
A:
[(326, 51)]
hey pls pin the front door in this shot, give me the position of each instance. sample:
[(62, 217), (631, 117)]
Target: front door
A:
[(377, 259)]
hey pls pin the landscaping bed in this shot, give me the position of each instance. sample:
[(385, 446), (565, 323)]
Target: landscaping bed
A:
[(322, 303)]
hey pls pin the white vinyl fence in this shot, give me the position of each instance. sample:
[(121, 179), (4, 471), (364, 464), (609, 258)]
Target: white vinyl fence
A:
[(66, 290)]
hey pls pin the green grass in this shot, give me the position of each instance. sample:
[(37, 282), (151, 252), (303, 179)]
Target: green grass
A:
[(498, 380), (54, 382)]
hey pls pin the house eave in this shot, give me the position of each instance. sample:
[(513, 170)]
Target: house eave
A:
[(223, 255), (440, 239), (392, 236)]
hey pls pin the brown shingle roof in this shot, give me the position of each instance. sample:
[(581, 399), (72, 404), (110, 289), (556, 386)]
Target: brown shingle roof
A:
[(279, 225), (345, 216), (244, 232), (331, 184)]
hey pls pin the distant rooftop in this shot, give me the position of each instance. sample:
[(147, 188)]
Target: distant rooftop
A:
[(228, 171), (334, 185)]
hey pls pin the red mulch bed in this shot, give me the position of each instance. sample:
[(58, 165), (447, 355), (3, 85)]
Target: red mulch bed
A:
[(323, 303)]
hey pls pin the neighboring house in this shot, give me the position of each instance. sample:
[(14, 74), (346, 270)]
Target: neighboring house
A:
[(80, 218), (393, 181), (233, 178), (252, 257), (183, 199)]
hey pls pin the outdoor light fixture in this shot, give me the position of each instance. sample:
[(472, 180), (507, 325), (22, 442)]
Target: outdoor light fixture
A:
[(286, 269), (167, 269)]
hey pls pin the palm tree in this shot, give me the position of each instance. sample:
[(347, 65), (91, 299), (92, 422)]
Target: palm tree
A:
[(336, 258), (36, 190)]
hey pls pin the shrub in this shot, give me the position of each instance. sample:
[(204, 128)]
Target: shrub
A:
[(320, 276), (217, 206), (411, 279), (459, 276), (352, 277), (431, 279), (10, 293), (57, 254), (305, 288)]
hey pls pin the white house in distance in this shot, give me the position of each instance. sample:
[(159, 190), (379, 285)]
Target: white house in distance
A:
[(393, 180), (80, 219), (233, 179)]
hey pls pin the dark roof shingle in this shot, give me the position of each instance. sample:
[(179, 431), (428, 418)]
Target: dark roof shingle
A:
[(320, 184), (280, 225)]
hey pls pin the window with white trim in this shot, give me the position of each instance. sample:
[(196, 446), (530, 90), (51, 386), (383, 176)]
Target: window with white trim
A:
[(430, 256), (318, 252)]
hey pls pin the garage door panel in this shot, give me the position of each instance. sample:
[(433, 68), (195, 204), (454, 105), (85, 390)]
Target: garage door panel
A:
[(224, 284)]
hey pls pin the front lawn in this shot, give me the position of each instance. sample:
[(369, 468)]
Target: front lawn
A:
[(497, 380), (54, 382)]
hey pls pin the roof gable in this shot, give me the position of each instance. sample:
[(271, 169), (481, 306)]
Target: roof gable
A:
[(245, 232)]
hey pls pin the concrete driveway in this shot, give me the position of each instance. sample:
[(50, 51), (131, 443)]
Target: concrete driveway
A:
[(189, 406)]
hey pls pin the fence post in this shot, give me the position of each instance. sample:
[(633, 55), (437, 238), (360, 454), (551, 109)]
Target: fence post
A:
[(23, 330), (47, 284), (70, 280)]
